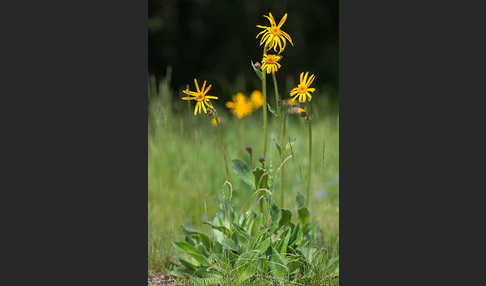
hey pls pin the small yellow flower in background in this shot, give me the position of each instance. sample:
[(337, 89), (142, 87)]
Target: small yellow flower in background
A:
[(240, 106), (296, 110), (302, 91), (273, 36), (270, 63), (256, 98), (202, 100), (215, 122)]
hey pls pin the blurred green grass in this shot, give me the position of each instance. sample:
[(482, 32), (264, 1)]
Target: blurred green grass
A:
[(186, 170)]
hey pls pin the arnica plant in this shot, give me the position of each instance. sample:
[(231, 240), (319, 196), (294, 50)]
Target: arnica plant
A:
[(266, 244)]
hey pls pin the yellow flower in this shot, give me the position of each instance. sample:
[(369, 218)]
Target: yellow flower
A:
[(270, 63), (296, 110), (240, 106), (215, 122), (202, 100), (256, 99), (273, 36), (302, 91)]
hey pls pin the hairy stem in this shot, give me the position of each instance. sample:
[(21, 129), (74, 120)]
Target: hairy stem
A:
[(282, 122), (228, 178), (264, 91), (309, 122), (282, 142)]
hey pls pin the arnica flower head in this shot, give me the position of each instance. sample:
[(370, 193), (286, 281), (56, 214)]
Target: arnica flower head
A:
[(273, 36), (215, 122), (256, 98), (302, 91), (240, 106), (202, 100), (270, 63), (297, 110)]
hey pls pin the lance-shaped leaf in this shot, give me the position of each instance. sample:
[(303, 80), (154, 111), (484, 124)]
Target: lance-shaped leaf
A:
[(191, 251), (241, 169), (245, 266), (278, 265), (304, 215), (286, 216)]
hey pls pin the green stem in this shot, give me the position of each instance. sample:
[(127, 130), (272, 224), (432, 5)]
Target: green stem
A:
[(228, 178), (275, 87), (264, 91), (282, 142), (309, 122), (278, 107)]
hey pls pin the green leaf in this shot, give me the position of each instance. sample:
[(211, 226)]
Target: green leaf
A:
[(278, 148), (282, 248), (263, 246), (286, 216), (191, 251), (258, 72), (230, 244), (241, 169), (224, 230), (300, 201), (294, 265), (289, 147), (201, 237), (278, 265), (242, 234), (297, 236), (216, 280), (257, 222), (275, 214), (271, 110), (308, 253), (304, 215), (260, 180), (187, 264), (245, 266)]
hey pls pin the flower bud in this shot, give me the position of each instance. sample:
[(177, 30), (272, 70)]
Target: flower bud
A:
[(261, 159), (248, 149)]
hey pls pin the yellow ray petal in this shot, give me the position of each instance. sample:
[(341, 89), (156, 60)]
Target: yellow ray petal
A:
[(288, 37), (204, 84), (260, 33), (204, 108), (305, 77), (282, 21), (197, 86), (207, 89), (188, 98), (310, 96), (311, 79), (188, 92)]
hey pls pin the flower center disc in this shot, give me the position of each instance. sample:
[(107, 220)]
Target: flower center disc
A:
[(199, 97), (275, 31), (301, 89)]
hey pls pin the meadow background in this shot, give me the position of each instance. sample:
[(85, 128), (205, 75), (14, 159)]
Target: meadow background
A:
[(215, 41)]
